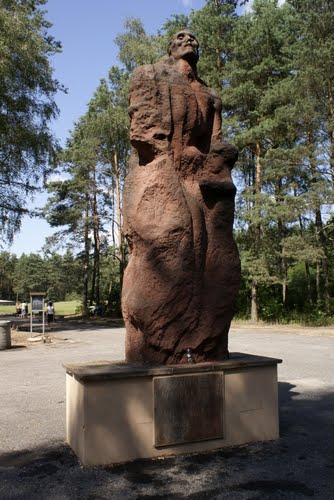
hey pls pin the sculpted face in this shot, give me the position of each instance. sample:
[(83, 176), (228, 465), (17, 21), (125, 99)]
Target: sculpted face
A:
[(184, 45)]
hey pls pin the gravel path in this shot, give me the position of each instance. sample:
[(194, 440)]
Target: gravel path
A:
[(36, 464)]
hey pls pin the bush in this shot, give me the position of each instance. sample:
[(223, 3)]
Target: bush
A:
[(272, 311), (73, 296), (79, 309), (318, 318)]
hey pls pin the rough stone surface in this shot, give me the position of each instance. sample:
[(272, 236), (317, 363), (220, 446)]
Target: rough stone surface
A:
[(182, 279)]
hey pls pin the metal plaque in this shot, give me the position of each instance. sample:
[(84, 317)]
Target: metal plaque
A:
[(188, 408), (37, 302)]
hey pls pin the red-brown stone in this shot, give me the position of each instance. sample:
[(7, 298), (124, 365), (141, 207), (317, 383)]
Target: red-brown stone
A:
[(182, 280)]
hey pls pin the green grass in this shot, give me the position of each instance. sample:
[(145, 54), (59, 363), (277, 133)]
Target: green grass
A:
[(63, 308), (7, 309), (66, 308)]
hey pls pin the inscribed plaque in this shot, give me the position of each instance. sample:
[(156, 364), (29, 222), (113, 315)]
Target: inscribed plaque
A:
[(188, 408)]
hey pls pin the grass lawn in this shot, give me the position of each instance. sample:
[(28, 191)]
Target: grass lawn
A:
[(66, 308), (7, 309), (62, 308)]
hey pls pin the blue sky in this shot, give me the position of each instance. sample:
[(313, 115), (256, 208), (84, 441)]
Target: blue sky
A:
[(87, 29)]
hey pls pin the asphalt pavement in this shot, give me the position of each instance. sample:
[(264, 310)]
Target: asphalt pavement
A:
[(35, 462)]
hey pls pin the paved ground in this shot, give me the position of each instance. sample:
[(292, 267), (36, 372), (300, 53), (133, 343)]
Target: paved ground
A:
[(36, 464)]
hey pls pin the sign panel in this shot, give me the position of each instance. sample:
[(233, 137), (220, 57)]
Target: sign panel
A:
[(37, 302)]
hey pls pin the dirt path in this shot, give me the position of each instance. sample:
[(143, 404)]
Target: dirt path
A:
[(314, 331)]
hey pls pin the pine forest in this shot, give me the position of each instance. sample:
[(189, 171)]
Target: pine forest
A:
[(273, 67)]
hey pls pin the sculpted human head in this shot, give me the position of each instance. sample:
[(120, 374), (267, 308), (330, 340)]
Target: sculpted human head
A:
[(184, 45)]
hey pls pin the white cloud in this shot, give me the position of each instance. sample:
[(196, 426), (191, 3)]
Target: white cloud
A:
[(249, 5), (56, 178)]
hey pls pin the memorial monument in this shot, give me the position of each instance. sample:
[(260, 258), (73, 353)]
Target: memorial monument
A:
[(182, 279), (179, 390)]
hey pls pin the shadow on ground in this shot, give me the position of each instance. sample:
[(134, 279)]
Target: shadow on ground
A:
[(69, 324), (298, 465)]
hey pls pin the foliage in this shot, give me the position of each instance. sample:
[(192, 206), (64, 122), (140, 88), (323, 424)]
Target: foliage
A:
[(136, 47), (7, 266), (277, 111), (27, 89), (214, 25), (57, 275), (273, 67), (29, 276), (95, 164), (274, 114)]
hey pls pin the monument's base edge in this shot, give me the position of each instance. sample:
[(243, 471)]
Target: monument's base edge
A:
[(114, 417)]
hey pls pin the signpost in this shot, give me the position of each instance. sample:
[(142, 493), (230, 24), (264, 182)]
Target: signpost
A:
[(37, 305)]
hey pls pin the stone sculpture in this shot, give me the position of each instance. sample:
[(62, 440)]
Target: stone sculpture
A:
[(182, 279)]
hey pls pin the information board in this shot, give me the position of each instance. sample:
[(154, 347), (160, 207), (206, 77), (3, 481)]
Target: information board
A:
[(37, 302)]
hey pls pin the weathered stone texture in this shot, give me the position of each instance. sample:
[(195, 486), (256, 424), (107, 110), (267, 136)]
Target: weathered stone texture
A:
[(182, 279)]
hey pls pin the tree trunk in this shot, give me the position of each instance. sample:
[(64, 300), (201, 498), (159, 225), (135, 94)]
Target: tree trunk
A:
[(254, 303), (86, 258), (119, 218), (321, 240), (96, 232), (284, 285), (256, 235), (282, 261), (320, 236), (258, 168), (317, 283), (283, 270), (92, 287), (331, 127), (307, 267), (309, 286)]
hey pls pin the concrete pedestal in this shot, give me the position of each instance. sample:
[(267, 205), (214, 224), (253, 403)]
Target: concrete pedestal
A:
[(5, 336), (117, 412)]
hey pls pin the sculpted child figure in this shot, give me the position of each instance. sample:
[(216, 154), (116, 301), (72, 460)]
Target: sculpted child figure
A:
[(182, 280)]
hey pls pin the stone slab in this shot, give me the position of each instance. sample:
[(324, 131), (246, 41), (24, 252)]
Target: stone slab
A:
[(106, 370)]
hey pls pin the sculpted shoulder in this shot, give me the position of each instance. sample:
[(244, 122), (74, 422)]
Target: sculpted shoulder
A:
[(142, 72), (164, 69)]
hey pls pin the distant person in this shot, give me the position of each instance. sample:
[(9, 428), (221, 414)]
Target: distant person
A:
[(23, 309), (18, 308), (50, 312)]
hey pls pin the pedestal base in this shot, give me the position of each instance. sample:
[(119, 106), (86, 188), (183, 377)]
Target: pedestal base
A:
[(117, 412)]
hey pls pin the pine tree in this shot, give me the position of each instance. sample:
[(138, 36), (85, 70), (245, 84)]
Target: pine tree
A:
[(213, 26), (257, 96), (27, 89), (313, 53), (69, 203), (136, 47)]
